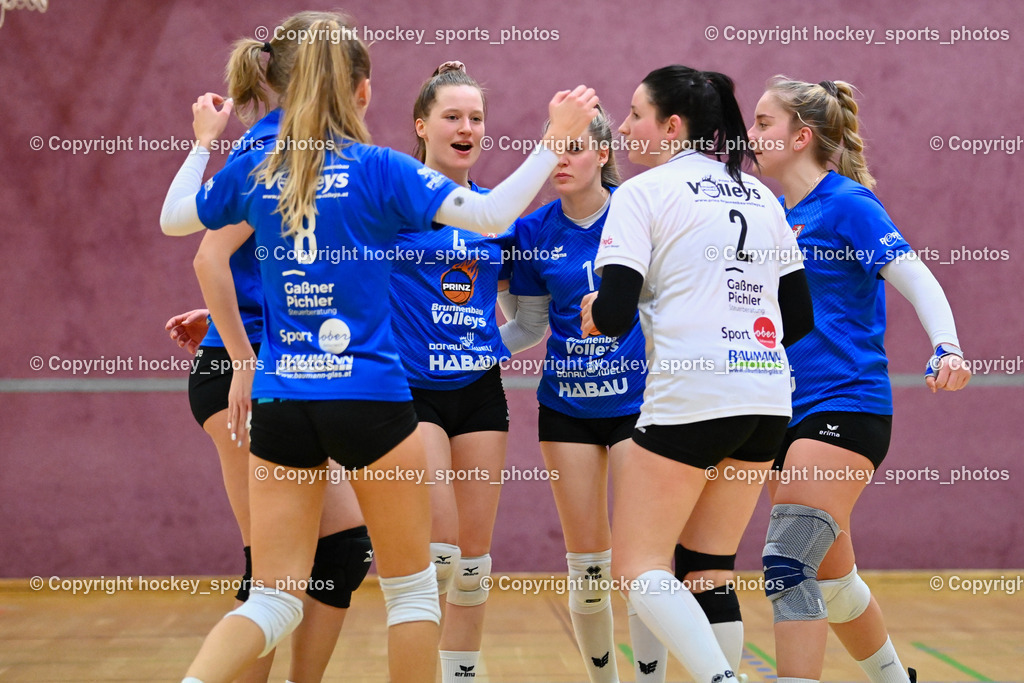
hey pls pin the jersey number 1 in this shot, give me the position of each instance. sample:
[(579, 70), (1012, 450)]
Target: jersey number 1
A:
[(589, 267)]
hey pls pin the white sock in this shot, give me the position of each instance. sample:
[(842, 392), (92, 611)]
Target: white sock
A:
[(783, 679), (649, 655), (595, 636), (884, 666), (590, 606), (673, 615), (457, 667), (729, 635)]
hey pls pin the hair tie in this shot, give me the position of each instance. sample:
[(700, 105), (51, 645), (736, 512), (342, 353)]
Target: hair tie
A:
[(450, 66), (266, 47), (830, 88)]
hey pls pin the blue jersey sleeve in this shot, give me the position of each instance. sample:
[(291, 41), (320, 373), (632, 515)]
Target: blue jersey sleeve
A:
[(221, 201), (507, 241), (526, 278), (412, 192), (864, 225)]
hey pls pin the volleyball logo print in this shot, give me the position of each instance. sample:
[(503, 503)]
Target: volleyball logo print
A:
[(457, 282)]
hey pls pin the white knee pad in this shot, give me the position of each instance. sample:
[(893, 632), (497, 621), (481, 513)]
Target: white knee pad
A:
[(445, 557), (846, 598), (411, 598), (467, 591), (276, 613), (589, 581)]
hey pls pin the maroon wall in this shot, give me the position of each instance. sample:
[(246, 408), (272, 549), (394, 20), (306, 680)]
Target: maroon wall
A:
[(107, 483)]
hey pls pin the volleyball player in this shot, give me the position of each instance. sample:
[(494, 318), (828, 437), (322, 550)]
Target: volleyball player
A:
[(337, 390), (590, 392), (443, 291), (343, 552), (842, 402), (677, 241), (255, 74)]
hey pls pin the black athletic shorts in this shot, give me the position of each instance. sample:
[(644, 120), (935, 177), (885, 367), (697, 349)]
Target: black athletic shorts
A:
[(864, 433), (556, 426), (752, 438), (480, 406), (305, 433), (210, 381)]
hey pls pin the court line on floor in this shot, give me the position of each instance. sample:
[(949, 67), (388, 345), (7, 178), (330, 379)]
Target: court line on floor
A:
[(762, 654), (941, 656)]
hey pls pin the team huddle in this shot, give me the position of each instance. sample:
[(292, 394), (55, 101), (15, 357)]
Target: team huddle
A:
[(677, 343)]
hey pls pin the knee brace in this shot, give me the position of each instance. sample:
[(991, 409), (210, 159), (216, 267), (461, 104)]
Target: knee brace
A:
[(797, 540), (243, 591), (276, 613), (846, 598), (467, 591), (340, 565), (589, 581), (411, 598), (445, 557)]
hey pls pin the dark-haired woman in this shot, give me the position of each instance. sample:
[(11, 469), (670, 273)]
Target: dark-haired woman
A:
[(590, 392), (680, 240)]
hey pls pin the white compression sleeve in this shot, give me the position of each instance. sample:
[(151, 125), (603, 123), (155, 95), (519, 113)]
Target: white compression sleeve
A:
[(495, 211), (529, 325), (915, 282), (179, 215), (508, 303)]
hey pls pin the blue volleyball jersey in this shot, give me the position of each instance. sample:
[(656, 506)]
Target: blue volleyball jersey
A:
[(595, 377), (326, 318), (244, 267), (846, 238), (444, 285)]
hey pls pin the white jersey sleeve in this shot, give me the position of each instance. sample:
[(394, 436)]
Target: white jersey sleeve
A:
[(790, 257), (627, 236)]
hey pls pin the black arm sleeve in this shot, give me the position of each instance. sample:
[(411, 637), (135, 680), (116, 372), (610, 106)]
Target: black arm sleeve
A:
[(615, 305), (795, 306)]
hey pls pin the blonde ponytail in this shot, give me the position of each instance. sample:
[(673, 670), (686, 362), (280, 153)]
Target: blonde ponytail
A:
[(320, 113), (247, 80), (852, 163)]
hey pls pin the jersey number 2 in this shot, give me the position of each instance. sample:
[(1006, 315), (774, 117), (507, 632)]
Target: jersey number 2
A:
[(733, 215)]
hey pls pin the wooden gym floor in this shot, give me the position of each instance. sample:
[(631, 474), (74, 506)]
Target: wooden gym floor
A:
[(949, 634)]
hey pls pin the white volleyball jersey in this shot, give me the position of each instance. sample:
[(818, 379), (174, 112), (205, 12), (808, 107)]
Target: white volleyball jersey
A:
[(711, 252)]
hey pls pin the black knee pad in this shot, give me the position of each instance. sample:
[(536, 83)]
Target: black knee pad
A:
[(340, 565), (243, 591), (720, 604), (691, 561)]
